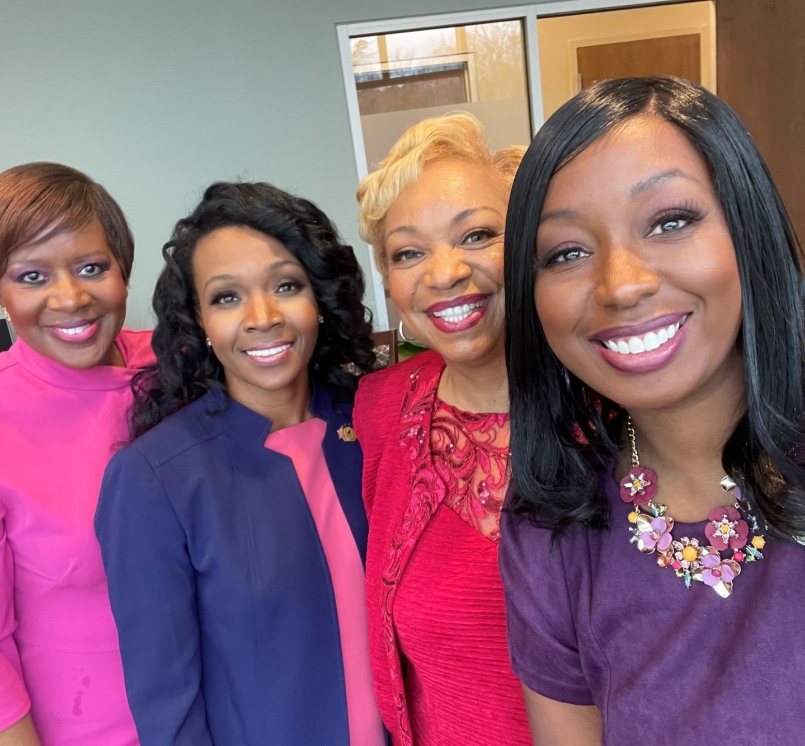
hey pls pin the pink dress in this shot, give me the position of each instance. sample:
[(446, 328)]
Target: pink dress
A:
[(58, 642), (302, 443)]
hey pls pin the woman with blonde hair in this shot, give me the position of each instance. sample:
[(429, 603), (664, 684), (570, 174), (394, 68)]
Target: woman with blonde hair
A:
[(435, 434)]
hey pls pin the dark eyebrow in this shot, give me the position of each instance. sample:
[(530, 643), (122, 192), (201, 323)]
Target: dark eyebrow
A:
[(656, 179), (271, 268), (640, 188), (458, 218)]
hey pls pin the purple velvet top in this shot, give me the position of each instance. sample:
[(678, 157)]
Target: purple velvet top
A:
[(593, 621)]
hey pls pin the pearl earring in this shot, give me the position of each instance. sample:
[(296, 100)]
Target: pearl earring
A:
[(321, 319), (209, 344)]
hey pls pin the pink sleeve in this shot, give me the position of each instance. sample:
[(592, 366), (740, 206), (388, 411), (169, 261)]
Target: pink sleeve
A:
[(14, 700)]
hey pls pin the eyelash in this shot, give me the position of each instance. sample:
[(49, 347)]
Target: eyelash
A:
[(221, 296), (486, 234), (102, 268), (687, 212)]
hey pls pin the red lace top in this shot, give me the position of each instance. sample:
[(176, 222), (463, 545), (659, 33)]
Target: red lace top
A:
[(470, 454), (449, 609)]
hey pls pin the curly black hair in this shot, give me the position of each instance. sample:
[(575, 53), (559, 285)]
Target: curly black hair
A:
[(186, 368)]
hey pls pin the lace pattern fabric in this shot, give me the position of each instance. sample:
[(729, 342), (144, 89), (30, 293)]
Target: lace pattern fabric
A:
[(471, 456)]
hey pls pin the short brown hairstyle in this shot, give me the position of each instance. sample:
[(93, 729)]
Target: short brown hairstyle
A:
[(459, 135), (39, 200)]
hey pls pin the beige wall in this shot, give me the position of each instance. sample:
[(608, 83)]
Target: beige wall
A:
[(560, 37)]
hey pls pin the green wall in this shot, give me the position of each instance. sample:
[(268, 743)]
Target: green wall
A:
[(156, 99)]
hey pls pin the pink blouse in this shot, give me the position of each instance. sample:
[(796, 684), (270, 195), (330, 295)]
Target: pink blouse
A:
[(58, 642), (303, 444)]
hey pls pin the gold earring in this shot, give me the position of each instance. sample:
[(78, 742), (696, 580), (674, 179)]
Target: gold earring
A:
[(5, 313)]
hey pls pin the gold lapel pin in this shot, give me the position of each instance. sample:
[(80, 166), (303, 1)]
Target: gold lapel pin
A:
[(347, 433)]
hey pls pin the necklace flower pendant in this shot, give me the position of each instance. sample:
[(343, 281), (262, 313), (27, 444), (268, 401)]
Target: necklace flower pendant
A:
[(654, 534), (638, 486), (726, 529)]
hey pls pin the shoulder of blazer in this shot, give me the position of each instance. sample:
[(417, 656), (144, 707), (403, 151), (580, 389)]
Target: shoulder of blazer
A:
[(183, 430), (380, 395)]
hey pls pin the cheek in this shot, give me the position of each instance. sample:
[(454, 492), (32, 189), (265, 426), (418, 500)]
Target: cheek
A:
[(115, 294), (554, 310), (490, 265), (303, 314), (401, 289), (23, 307)]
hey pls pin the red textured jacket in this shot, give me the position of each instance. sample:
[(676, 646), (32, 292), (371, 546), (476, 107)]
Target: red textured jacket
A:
[(392, 417)]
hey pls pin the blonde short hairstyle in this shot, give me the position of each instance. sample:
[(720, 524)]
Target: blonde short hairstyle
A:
[(458, 136)]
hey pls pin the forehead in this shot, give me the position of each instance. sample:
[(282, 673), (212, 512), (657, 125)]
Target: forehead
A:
[(447, 184), (625, 157), (238, 249), (63, 245)]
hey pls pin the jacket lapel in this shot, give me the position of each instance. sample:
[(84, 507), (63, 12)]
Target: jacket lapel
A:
[(427, 492), (345, 462)]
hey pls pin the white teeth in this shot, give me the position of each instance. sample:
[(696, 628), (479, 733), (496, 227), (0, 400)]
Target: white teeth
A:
[(455, 314), (267, 353), (636, 345), (75, 330), (646, 343)]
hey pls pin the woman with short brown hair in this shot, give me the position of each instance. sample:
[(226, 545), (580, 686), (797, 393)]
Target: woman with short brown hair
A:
[(65, 259)]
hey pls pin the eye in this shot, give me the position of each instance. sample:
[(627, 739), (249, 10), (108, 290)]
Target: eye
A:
[(93, 270), (31, 278), (565, 256), (671, 222), (479, 235), (223, 298), (288, 286), (405, 255)]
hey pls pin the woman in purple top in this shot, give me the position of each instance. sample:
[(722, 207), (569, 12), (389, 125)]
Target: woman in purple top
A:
[(655, 352)]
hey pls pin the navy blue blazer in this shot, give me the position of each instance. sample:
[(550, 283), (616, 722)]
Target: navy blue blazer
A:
[(219, 584)]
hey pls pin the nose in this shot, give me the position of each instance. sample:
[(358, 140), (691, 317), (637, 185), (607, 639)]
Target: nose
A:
[(446, 268), (261, 313), (624, 278), (68, 295)]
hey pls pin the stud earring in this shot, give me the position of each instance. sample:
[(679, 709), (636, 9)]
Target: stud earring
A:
[(401, 333), (321, 319), (209, 344), (5, 313)]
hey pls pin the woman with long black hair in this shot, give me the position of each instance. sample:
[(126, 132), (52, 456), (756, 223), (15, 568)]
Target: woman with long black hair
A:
[(655, 354), (232, 528)]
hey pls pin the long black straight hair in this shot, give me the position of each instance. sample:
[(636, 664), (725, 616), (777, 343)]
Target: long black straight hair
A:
[(186, 368), (562, 432)]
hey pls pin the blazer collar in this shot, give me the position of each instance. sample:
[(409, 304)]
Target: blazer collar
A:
[(249, 426)]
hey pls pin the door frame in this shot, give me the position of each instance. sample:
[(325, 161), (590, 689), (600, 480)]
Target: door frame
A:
[(528, 14)]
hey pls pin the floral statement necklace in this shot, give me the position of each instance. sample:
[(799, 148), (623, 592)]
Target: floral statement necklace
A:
[(727, 528)]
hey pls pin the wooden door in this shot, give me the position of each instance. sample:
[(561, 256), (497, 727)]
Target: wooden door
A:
[(667, 55), (761, 74)]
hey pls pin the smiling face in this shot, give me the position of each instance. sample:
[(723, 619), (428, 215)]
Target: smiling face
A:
[(637, 283), (444, 242), (66, 297), (256, 306)]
